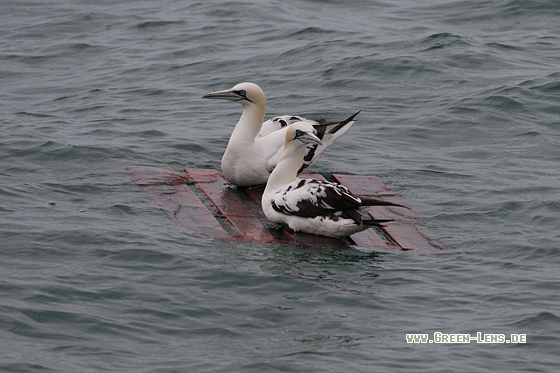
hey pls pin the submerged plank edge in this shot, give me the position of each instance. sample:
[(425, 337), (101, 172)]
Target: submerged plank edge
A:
[(168, 191)]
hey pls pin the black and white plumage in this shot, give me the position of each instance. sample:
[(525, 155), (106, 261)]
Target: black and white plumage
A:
[(254, 147), (310, 205)]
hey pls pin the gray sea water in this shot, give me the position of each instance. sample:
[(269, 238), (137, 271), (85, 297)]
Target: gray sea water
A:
[(460, 115)]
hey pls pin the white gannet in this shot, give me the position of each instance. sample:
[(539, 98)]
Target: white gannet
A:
[(255, 147), (310, 205)]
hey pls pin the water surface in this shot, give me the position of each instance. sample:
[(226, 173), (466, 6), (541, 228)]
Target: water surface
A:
[(460, 117)]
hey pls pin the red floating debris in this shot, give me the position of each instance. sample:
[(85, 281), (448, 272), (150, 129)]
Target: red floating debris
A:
[(169, 191), (229, 205), (242, 214)]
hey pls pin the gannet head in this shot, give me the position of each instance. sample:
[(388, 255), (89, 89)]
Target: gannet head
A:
[(303, 132), (244, 93)]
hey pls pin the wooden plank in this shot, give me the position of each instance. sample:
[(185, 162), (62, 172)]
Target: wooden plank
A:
[(168, 191), (255, 194), (412, 236), (146, 175), (244, 220), (368, 238), (406, 229), (368, 186)]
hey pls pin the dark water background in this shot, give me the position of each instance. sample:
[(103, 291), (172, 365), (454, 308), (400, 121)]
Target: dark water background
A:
[(460, 115)]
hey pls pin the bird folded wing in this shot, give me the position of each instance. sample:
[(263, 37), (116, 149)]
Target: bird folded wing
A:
[(310, 198)]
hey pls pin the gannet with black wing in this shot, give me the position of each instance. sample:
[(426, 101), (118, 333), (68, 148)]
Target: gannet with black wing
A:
[(310, 205), (254, 147)]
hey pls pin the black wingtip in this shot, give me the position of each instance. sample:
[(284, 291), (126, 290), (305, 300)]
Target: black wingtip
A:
[(376, 222), (363, 218), (343, 123), (323, 122), (367, 201)]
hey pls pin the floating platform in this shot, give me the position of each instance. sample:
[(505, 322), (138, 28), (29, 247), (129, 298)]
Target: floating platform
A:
[(203, 202)]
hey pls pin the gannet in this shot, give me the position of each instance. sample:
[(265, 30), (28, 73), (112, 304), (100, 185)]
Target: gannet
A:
[(255, 147), (310, 205)]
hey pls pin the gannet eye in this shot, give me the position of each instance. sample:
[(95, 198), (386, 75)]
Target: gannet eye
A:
[(242, 93), (299, 133)]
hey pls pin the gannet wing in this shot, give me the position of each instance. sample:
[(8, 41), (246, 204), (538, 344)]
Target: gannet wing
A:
[(311, 197), (278, 123)]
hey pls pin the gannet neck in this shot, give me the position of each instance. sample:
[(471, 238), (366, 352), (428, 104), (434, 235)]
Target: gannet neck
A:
[(287, 167), (250, 123)]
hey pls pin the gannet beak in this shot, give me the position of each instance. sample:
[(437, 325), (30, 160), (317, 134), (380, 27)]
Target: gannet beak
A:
[(308, 138), (228, 94)]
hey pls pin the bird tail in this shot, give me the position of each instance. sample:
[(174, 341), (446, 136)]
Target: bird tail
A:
[(338, 125), (370, 201), (327, 136), (362, 218)]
